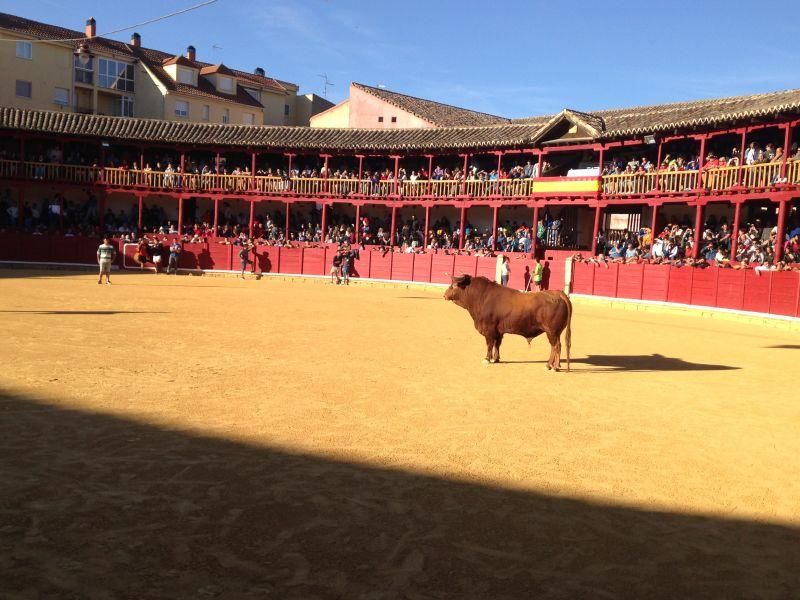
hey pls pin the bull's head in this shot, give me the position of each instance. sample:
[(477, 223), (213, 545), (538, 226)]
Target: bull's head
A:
[(457, 288)]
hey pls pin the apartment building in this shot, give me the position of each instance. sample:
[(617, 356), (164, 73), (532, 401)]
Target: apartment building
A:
[(55, 68)]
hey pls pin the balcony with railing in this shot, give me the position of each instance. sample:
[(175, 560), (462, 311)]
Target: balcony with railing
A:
[(718, 179)]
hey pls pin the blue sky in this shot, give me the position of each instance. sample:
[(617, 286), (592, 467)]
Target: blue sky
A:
[(515, 58)]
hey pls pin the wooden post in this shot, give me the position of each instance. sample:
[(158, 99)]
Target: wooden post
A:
[(286, 231), (495, 210), (216, 216), (499, 164), (396, 174), (427, 226), (324, 224), (464, 175), (325, 176), (183, 169), (461, 228), (700, 162), (102, 162), (740, 175), (535, 240), (252, 218), (101, 203), (180, 214), (737, 215), (141, 159), (596, 229), (394, 224), (698, 225), (140, 222), (779, 239), (253, 171), (657, 186), (787, 143), (357, 232), (430, 175), (654, 223), (289, 179)]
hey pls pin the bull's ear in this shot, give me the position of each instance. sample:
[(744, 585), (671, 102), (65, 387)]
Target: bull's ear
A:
[(462, 281)]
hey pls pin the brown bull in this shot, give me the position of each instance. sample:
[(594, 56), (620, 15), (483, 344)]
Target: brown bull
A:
[(497, 310)]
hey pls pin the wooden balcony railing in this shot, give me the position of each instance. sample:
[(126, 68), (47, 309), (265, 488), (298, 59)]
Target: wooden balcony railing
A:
[(712, 180)]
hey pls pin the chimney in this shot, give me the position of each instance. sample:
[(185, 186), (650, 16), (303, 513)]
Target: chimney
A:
[(190, 53), (91, 28), (259, 71), (136, 40)]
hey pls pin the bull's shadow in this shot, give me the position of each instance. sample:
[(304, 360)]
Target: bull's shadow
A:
[(99, 506), (643, 363), (785, 347)]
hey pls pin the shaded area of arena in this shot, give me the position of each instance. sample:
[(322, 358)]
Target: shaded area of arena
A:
[(97, 506)]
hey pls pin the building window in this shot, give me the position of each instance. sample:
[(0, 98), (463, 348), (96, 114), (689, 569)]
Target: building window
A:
[(206, 112), (248, 118), (61, 96), (226, 84), (181, 108), (25, 50), (116, 75), (24, 89), (186, 76), (285, 110), (84, 73), (380, 119), (394, 119), (254, 94), (124, 108), (226, 115)]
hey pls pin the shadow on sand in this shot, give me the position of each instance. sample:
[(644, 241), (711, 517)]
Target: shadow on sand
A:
[(785, 347), (96, 506), (85, 312), (643, 363)]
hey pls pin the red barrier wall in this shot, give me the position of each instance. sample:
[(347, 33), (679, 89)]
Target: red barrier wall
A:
[(402, 267), (776, 293)]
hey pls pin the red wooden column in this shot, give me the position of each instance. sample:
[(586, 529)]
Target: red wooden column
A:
[(461, 228), (787, 143), (698, 225), (464, 175), (499, 163), (700, 162), (286, 229), (216, 164), (427, 226), (539, 164), (216, 216), (782, 209), (180, 214), (740, 175), (658, 165), (289, 169), (102, 161), (324, 223), (325, 176), (737, 217), (396, 174), (494, 228), (140, 222), (252, 218), (357, 232), (101, 203), (394, 224), (183, 169), (430, 175), (253, 170), (596, 229), (535, 228), (654, 223)]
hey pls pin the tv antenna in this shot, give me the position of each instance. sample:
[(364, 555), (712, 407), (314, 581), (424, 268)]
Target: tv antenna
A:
[(326, 83)]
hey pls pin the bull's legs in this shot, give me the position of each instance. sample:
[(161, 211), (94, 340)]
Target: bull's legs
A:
[(498, 340), (489, 348), (555, 351)]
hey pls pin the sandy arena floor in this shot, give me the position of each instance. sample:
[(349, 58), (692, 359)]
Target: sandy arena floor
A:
[(180, 437)]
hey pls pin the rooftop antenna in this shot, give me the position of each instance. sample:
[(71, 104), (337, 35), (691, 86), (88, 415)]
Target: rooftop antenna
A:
[(326, 84)]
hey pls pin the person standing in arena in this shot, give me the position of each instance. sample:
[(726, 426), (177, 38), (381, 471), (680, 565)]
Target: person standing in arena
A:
[(336, 266), (538, 271), (174, 254), (105, 256), (158, 255), (142, 252), (346, 258), (244, 256)]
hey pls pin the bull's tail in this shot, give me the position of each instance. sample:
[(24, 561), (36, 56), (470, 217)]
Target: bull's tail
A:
[(568, 334)]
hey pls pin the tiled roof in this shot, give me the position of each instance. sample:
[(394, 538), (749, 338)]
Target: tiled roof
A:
[(266, 137), (435, 113), (178, 59), (640, 120), (220, 68), (152, 59)]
